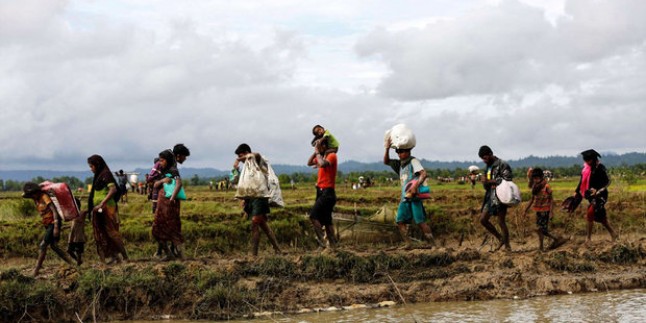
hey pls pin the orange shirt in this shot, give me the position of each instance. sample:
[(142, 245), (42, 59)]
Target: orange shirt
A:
[(543, 200), (42, 205), (327, 174)]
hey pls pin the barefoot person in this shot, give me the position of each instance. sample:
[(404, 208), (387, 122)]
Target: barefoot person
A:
[(167, 225), (102, 205), (325, 160), (593, 186), (51, 221), (410, 207), (543, 204), (495, 172), (256, 208)]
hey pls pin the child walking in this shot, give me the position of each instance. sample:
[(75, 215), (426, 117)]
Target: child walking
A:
[(77, 239), (52, 222), (543, 205)]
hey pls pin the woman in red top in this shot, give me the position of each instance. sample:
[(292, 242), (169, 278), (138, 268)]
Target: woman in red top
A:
[(51, 220)]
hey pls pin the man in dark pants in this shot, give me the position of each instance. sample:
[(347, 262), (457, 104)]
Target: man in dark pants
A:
[(256, 208), (495, 172), (321, 215)]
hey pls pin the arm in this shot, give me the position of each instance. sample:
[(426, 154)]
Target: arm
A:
[(178, 185), (421, 177), (321, 161), (529, 205), (57, 219), (111, 192), (387, 153)]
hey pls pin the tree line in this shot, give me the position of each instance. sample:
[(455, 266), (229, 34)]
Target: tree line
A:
[(629, 174)]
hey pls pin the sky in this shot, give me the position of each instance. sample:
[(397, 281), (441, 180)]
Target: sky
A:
[(128, 78)]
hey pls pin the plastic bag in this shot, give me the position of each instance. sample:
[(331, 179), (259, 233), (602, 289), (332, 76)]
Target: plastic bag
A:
[(275, 194), (508, 193), (400, 137), (63, 200)]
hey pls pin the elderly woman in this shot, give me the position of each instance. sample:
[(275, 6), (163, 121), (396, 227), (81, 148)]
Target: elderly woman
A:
[(102, 205), (167, 225), (593, 186)]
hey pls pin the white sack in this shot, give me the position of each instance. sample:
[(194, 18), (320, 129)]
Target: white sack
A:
[(275, 194), (253, 180), (508, 193), (400, 136)]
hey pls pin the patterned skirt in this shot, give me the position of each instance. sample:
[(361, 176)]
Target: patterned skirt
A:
[(167, 225)]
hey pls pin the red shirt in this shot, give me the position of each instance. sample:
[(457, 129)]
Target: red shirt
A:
[(327, 174)]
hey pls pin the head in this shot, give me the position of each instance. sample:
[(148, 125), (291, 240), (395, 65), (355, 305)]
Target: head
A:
[(96, 163), (318, 130), (537, 175), (181, 152), (403, 153), (121, 172), (322, 146), (31, 190), (166, 159), (486, 154), (242, 150), (590, 157)]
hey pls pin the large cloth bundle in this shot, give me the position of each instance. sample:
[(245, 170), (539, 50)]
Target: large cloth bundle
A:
[(401, 137), (62, 198), (508, 193), (473, 169), (257, 182)]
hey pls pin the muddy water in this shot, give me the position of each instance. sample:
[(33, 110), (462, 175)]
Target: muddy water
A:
[(617, 306)]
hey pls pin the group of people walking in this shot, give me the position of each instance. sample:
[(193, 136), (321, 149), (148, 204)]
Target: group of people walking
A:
[(102, 206)]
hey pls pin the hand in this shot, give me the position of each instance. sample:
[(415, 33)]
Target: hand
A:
[(97, 207), (172, 200), (593, 192), (236, 164), (389, 142)]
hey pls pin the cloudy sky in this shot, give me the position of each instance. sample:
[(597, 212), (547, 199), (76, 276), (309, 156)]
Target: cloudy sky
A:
[(128, 78)]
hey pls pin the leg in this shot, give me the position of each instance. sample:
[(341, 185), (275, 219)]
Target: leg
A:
[(62, 253), (613, 235), (318, 230), (589, 231), (41, 257), (329, 232), (484, 220), (502, 213), (419, 215), (270, 235), (255, 238), (428, 235), (540, 239), (403, 231)]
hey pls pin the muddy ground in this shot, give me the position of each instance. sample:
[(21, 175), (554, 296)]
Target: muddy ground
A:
[(236, 286)]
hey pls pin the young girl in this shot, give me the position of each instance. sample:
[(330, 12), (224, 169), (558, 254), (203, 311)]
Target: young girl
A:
[(51, 220), (543, 206)]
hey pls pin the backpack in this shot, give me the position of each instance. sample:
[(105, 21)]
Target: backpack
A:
[(64, 201)]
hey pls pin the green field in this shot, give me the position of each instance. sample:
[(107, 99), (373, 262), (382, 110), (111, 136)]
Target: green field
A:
[(212, 221)]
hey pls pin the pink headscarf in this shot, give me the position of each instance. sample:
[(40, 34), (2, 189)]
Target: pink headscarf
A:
[(585, 178)]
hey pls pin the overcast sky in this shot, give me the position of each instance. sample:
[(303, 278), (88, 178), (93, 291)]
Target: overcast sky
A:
[(128, 78)]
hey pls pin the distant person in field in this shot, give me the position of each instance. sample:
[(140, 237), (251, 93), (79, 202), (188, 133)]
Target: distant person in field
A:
[(256, 209), (593, 186), (496, 170), (76, 240), (543, 204), (52, 221), (167, 225), (321, 133), (122, 181), (411, 208), (325, 160), (102, 205)]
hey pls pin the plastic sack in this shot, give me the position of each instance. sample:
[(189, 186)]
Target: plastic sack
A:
[(275, 194), (169, 189), (508, 193), (63, 199), (400, 137), (253, 182)]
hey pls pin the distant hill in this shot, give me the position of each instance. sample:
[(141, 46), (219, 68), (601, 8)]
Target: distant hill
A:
[(610, 160)]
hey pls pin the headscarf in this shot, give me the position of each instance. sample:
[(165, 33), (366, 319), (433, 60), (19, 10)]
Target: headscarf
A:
[(102, 176)]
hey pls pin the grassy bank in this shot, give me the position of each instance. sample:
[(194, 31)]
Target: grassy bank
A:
[(219, 280)]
